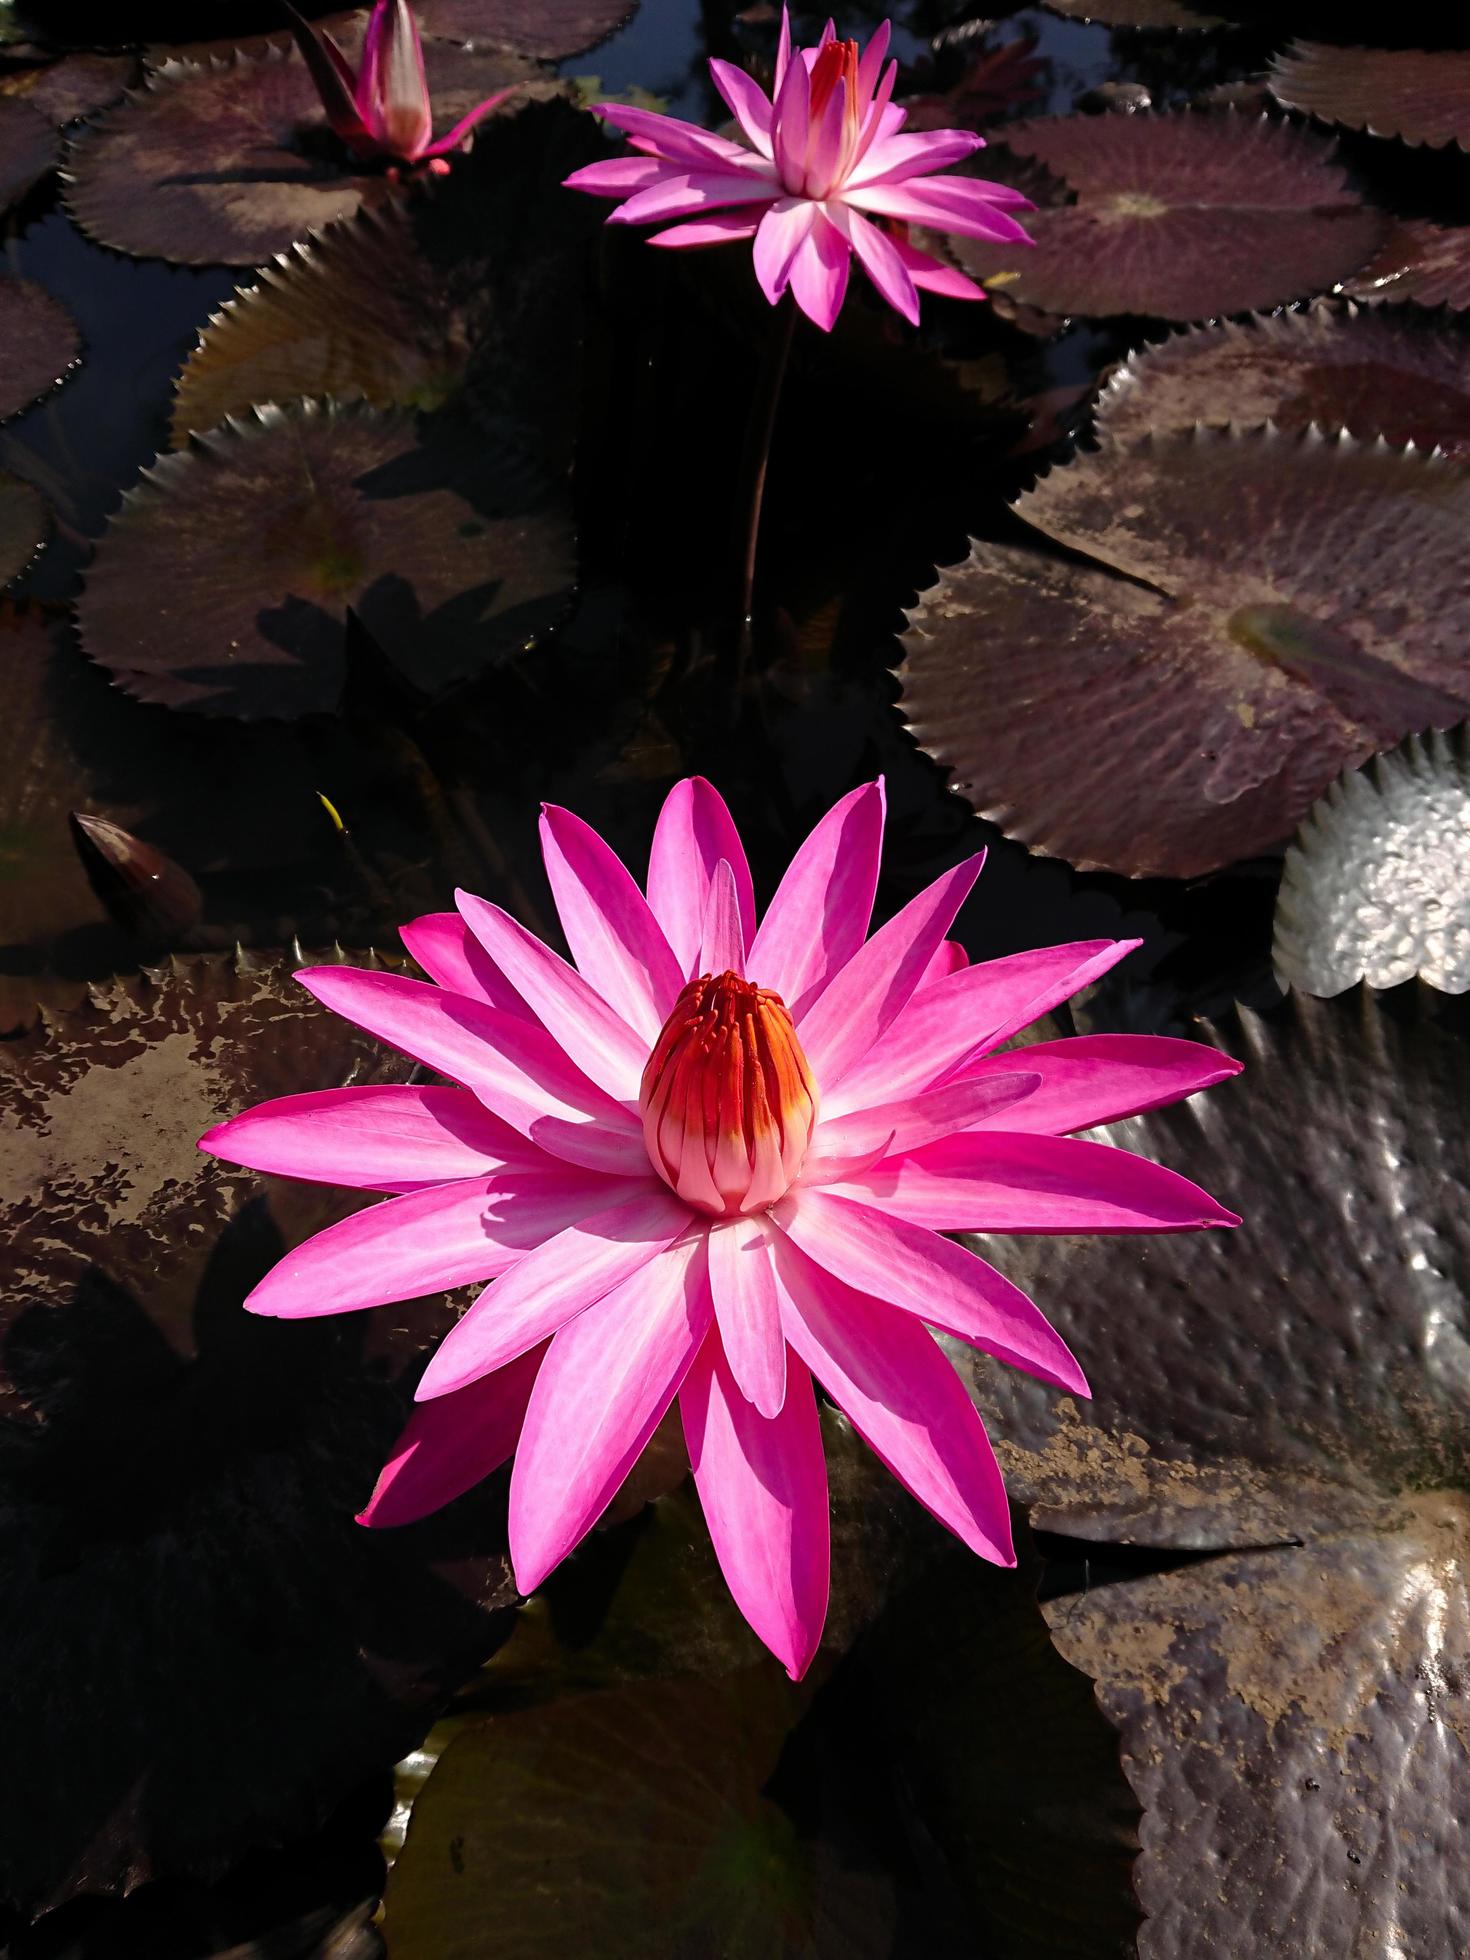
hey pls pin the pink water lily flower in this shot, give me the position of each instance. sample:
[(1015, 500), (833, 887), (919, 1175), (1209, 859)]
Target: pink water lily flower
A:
[(716, 1159), (824, 173), (384, 109)]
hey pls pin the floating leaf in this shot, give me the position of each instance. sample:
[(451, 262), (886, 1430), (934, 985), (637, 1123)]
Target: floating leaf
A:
[(1293, 1398), (24, 522), (1422, 97), (1377, 885), (79, 85), (548, 29), (29, 149), (41, 343), (445, 547), (1259, 612), (1162, 16), (1181, 215), (1365, 372), (1428, 264), (179, 1476)]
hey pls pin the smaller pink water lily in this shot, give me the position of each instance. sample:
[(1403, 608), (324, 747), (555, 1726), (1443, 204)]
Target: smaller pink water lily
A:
[(824, 173), (384, 109)]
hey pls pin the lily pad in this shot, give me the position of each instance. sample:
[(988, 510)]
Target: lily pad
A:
[(1427, 264), (41, 343), (1369, 373), (1154, 16), (1297, 1404), (447, 549), (1420, 96), (29, 150), (548, 29), (1254, 613), (1377, 885), (179, 1476), (77, 85), (1181, 215), (24, 522)]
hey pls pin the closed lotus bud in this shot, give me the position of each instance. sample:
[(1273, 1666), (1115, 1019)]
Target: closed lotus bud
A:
[(393, 90), (145, 891), (727, 1098)]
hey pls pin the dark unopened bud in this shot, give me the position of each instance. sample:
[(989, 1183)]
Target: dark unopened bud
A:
[(143, 889)]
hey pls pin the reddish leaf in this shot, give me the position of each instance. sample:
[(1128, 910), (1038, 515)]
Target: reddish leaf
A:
[(1422, 97), (41, 344), (29, 150), (1428, 264)]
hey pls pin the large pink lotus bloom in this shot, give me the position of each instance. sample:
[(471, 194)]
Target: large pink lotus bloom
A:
[(384, 109), (825, 160), (715, 1159)]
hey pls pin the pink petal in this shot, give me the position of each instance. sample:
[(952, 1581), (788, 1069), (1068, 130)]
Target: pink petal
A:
[(819, 273), (881, 119), (722, 228), (950, 1023), (694, 831), (931, 277), (617, 177), (893, 159), (903, 1397), (372, 1137), (576, 1016), (789, 122), (668, 137), (871, 65), (691, 193), (446, 949), (780, 235), (418, 1244), (603, 1389), (920, 1273), (824, 144), (762, 1484), (722, 943), (819, 916), (618, 944), (850, 1017), (449, 1446), (783, 48), (401, 112), (993, 1181), (879, 259), (951, 958), (465, 124), (589, 1257), (512, 1065), (747, 102), (1099, 1078), (927, 201), (747, 1311), (892, 1128)]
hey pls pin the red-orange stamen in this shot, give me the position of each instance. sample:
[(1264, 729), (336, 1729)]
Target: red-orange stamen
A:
[(837, 62)]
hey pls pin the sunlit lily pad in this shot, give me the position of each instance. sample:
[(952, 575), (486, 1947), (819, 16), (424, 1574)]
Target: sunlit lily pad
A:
[(447, 548), (40, 342), (24, 522), (29, 150), (1296, 1401), (1369, 373), (1377, 885), (1181, 215), (1259, 612), (1419, 96), (77, 85), (548, 29), (1427, 264), (180, 1476)]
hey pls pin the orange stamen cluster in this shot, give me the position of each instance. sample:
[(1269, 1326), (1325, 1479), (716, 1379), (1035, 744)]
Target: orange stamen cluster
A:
[(727, 1098), (837, 62)]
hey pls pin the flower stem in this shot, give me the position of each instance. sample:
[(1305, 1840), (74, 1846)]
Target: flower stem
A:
[(764, 403)]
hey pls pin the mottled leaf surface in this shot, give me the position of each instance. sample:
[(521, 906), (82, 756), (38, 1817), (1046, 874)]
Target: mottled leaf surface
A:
[(1376, 886), (1255, 612), (448, 549), (40, 342), (547, 29), (1419, 96), (77, 85), (1427, 264)]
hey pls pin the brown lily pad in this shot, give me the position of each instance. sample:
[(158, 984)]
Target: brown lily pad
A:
[(40, 340), (550, 30), (1254, 613), (1149, 16), (1424, 263), (1369, 373), (1182, 215), (78, 85), (179, 1476), (449, 551), (24, 523), (1420, 96), (29, 150), (1293, 1709)]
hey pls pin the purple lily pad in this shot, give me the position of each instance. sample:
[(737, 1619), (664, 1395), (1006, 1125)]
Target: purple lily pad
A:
[(1294, 1400), (548, 29), (1253, 614), (78, 85), (1152, 16), (448, 551), (1181, 215), (1369, 373), (30, 149), (1420, 96), (1426, 264), (24, 523), (180, 1477), (40, 340)]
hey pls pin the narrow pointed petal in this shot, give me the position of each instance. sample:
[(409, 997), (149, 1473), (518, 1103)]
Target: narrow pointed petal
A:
[(465, 124), (1087, 1080), (618, 944), (747, 1310), (586, 1259), (443, 945), (882, 118), (895, 1127), (820, 914), (921, 1273), (747, 102), (722, 942), (871, 65), (449, 1446), (667, 136), (331, 78), (603, 1389), (617, 176), (782, 231), (512, 1065), (951, 958), (903, 1398), (824, 144), (372, 1137), (783, 49), (694, 831), (789, 124), (691, 193), (720, 228), (579, 1020), (445, 1235), (921, 202), (819, 273), (950, 1023), (993, 1181), (862, 1001), (894, 159), (878, 258), (402, 117), (931, 277), (762, 1485)]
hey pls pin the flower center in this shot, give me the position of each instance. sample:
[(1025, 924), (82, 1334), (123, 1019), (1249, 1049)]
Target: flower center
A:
[(727, 1098), (829, 155)]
